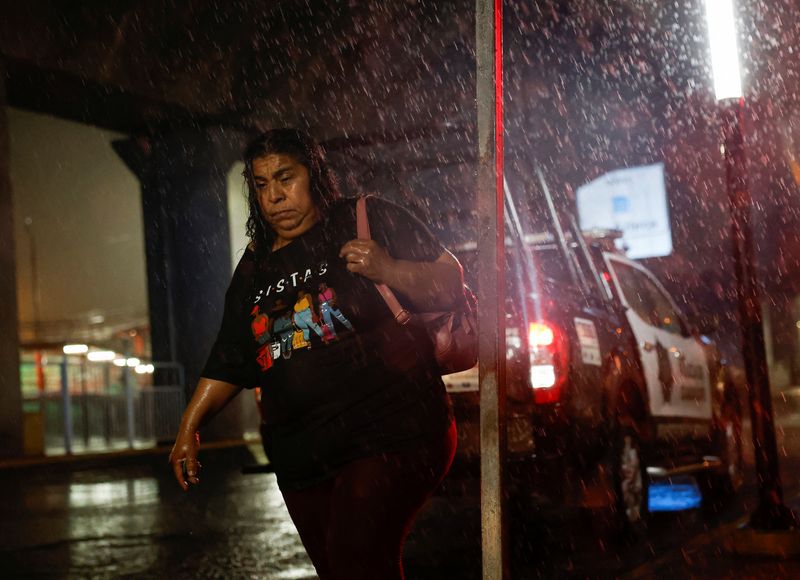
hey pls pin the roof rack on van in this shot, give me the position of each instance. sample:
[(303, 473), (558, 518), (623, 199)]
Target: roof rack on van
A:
[(604, 237), (602, 234), (530, 239)]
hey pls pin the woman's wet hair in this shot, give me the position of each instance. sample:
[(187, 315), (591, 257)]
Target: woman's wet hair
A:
[(304, 150)]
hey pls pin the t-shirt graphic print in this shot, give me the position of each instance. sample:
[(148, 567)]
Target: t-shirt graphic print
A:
[(295, 312)]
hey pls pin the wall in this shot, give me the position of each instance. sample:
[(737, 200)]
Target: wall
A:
[(84, 212)]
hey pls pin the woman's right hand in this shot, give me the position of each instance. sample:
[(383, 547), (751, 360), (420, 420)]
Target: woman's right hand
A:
[(208, 399), (183, 459)]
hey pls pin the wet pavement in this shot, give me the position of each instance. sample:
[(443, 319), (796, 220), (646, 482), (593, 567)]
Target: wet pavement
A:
[(134, 521), (63, 521)]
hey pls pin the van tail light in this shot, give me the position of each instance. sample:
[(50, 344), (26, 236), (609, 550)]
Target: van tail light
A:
[(548, 361), (541, 334)]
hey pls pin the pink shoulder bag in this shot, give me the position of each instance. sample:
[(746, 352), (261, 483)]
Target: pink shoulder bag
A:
[(453, 333)]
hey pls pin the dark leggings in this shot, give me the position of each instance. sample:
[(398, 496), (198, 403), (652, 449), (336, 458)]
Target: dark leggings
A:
[(353, 525)]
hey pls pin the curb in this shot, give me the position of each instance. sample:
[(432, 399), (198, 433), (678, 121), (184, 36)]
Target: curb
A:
[(736, 540), (781, 544), (110, 458)]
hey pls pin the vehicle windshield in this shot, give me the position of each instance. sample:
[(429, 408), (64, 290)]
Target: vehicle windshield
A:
[(551, 268)]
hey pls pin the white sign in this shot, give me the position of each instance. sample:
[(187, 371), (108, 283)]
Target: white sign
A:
[(588, 341), (633, 201)]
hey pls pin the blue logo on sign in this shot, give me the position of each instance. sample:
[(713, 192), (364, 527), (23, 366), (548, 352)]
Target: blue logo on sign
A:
[(621, 204)]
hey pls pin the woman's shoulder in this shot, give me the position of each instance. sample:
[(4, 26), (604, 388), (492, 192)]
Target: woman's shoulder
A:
[(343, 211), (349, 202), (346, 206), (372, 200), (381, 213)]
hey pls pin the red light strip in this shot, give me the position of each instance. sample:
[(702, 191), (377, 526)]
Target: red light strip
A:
[(498, 104)]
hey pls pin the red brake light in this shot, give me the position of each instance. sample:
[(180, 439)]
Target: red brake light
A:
[(548, 362)]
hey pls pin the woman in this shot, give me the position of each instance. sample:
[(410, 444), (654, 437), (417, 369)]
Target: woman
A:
[(328, 310), (283, 328), (304, 315), (359, 430)]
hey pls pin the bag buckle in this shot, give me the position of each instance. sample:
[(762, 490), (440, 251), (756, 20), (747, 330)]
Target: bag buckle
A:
[(403, 317)]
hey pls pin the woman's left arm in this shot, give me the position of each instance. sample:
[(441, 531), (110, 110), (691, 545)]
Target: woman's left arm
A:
[(430, 286)]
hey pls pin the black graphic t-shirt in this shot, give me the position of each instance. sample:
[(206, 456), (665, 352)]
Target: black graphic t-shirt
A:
[(340, 378)]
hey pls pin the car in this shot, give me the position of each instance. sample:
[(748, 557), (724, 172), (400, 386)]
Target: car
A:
[(608, 382)]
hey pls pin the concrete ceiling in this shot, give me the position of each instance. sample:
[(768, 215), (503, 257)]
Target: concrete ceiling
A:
[(342, 67), (590, 85), (348, 67), (369, 72)]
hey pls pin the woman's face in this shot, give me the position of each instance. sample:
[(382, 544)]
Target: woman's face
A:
[(282, 186)]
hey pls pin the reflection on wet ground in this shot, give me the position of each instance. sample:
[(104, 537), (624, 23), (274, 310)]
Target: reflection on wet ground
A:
[(135, 521)]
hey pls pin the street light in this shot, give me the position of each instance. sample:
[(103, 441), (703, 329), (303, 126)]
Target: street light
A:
[(724, 50), (75, 348), (101, 355), (771, 513)]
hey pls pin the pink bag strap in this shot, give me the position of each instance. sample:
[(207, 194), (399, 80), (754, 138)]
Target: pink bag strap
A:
[(401, 315)]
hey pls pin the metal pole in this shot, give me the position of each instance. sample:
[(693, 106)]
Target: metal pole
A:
[(84, 406), (491, 287), (66, 405), (34, 278), (40, 379), (107, 399), (771, 513), (127, 381), (130, 415)]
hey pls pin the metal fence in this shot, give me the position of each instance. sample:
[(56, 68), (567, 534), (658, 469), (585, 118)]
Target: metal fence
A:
[(79, 406)]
